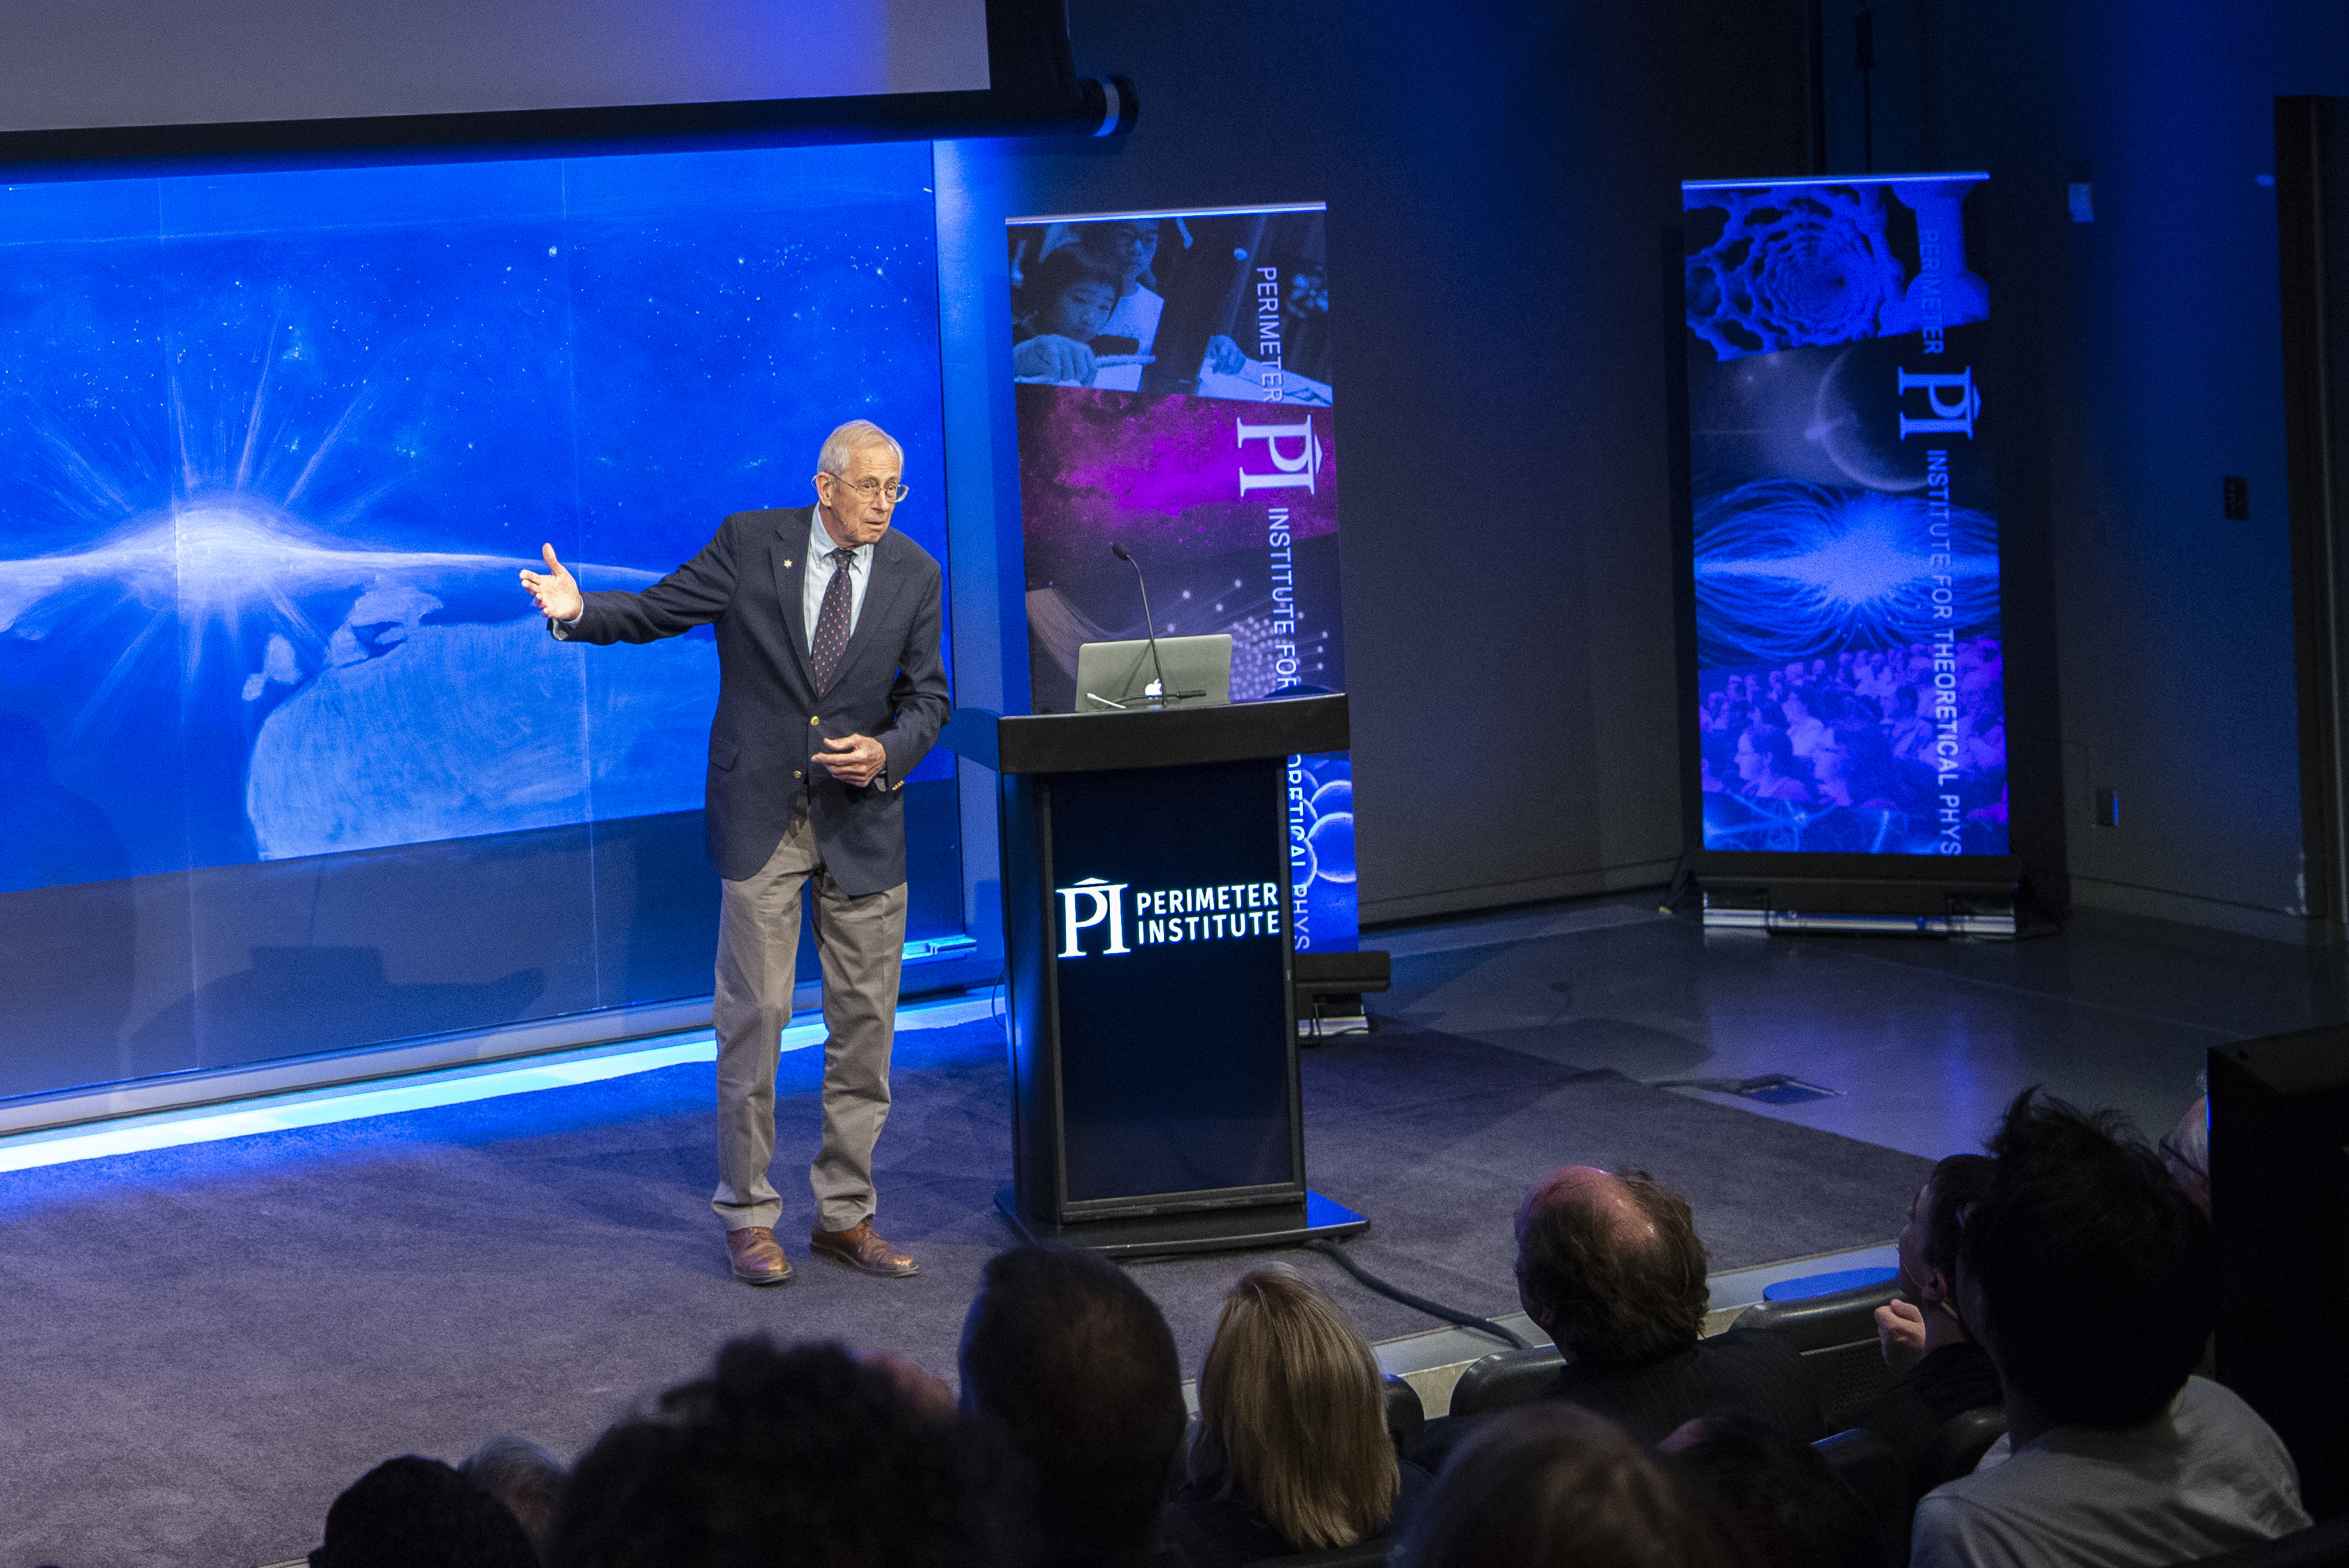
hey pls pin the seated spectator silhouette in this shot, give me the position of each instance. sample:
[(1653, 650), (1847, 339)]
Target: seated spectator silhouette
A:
[(415, 1512), (1072, 1364), (1551, 1486), (522, 1476), (1910, 731), (779, 1455), (1943, 1371), (1291, 1452), (2093, 1282), (1777, 1498), (1809, 712), (1855, 767), (1611, 1268)]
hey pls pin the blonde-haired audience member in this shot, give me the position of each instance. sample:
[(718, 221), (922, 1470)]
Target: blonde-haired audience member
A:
[(1292, 1452)]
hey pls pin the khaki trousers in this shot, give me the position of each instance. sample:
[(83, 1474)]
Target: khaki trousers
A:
[(862, 945)]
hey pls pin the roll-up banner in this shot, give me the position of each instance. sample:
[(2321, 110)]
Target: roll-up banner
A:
[(1849, 675), (1175, 399)]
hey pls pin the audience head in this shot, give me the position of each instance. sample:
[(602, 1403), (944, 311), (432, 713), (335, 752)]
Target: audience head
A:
[(413, 1513), (803, 1454), (1928, 1242), (1610, 1266), (2186, 1153), (1292, 1414), (1858, 752), (1067, 1358), (1823, 702), (1764, 749), (1551, 1485), (2089, 1277), (522, 1476), (1784, 1504), (1069, 294)]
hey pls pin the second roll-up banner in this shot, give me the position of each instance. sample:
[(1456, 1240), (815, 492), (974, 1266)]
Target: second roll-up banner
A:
[(1851, 676), (1175, 398)]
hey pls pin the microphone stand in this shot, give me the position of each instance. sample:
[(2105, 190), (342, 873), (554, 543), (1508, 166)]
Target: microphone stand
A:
[(1149, 625)]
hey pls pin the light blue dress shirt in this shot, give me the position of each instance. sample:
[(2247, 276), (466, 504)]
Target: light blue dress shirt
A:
[(818, 576)]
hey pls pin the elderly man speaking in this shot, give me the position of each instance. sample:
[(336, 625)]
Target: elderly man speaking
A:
[(831, 688)]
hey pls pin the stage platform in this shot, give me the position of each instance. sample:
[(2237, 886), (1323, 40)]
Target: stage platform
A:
[(209, 1342)]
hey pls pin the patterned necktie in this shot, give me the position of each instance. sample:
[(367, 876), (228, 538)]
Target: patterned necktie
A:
[(832, 621)]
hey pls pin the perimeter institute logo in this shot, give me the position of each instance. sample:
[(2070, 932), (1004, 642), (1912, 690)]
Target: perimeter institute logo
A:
[(1123, 920)]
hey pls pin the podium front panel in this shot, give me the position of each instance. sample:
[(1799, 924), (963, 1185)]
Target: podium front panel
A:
[(1157, 1037)]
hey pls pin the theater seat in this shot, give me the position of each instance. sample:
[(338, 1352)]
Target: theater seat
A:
[(1836, 1335), (1872, 1468), (1959, 1446), (1369, 1554), (2324, 1545), (1406, 1415), (1505, 1379)]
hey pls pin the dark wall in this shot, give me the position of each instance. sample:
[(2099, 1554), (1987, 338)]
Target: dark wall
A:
[(2143, 348), (1499, 177)]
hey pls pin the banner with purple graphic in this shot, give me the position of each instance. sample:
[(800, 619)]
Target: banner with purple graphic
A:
[(1850, 682), (1174, 397)]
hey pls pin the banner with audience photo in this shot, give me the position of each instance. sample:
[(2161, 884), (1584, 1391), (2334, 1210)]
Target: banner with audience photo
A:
[(1175, 395), (1850, 686)]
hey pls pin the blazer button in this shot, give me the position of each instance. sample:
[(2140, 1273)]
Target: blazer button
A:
[(815, 721), (795, 772)]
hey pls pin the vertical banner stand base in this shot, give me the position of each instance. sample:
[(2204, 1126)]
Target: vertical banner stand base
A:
[(1968, 896), (1197, 1230)]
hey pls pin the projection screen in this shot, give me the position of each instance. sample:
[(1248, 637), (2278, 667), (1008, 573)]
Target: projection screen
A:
[(289, 765)]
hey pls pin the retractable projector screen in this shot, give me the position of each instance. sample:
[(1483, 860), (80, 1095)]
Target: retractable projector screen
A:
[(287, 763)]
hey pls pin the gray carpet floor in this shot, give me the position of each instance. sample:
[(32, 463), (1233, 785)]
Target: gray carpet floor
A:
[(199, 1347)]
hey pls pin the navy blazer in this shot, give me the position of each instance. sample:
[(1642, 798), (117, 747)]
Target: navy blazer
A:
[(891, 685)]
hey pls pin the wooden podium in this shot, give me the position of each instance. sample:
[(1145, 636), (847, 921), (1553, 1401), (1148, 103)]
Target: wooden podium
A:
[(1147, 920)]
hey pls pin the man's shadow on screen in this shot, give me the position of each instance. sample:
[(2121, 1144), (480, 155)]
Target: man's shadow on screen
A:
[(68, 922)]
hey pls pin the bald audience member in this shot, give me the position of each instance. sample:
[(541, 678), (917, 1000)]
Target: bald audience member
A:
[(1611, 1268)]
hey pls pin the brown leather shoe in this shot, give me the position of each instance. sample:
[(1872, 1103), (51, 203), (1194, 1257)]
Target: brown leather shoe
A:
[(861, 1250), (758, 1256)]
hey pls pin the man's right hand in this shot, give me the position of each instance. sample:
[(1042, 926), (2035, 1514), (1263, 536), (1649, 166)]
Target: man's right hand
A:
[(1901, 1333), (554, 590)]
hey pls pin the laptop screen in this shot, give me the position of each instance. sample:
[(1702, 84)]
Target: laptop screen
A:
[(1114, 676)]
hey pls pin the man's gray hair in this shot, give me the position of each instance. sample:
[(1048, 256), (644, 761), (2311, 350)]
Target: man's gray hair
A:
[(522, 1476), (842, 443)]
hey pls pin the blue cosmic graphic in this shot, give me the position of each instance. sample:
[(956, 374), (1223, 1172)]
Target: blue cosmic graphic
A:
[(1788, 569), (278, 443)]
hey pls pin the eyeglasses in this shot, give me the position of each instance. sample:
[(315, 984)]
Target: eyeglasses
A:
[(871, 489)]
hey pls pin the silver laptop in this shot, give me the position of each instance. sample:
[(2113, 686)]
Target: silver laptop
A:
[(1113, 677)]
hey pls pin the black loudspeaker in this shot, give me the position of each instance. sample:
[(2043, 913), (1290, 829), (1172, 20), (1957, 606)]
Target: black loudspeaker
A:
[(2279, 1204)]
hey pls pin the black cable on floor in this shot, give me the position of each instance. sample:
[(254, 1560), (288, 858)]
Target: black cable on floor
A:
[(1417, 1303)]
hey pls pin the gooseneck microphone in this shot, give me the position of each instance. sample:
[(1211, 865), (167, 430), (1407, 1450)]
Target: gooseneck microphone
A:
[(1148, 626)]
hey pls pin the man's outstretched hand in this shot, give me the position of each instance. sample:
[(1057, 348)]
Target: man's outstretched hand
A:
[(854, 758), (554, 590)]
